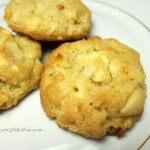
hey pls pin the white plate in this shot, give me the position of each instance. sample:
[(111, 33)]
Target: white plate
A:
[(17, 124)]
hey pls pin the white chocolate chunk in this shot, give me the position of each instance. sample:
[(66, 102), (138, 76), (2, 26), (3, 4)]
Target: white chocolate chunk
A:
[(98, 76), (97, 67), (134, 104), (88, 72)]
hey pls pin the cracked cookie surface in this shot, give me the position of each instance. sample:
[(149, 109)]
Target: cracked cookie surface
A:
[(93, 87), (20, 67), (49, 20)]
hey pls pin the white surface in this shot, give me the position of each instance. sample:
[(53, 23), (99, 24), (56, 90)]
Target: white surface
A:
[(15, 124), (138, 8)]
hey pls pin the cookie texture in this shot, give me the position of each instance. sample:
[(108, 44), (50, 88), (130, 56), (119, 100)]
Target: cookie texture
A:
[(49, 20), (20, 67), (93, 87)]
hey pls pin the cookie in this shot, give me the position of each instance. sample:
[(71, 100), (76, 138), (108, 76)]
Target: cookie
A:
[(20, 67), (49, 20), (93, 87)]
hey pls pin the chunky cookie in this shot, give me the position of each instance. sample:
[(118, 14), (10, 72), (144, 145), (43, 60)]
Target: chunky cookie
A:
[(20, 67), (49, 20), (93, 87)]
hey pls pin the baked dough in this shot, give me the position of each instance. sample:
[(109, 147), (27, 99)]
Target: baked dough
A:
[(49, 20), (20, 67), (93, 87)]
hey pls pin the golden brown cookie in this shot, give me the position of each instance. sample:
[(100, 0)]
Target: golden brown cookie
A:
[(49, 20), (20, 67), (93, 87)]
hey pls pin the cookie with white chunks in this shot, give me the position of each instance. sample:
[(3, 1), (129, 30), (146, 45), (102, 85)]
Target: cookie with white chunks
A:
[(20, 67), (93, 87), (49, 20)]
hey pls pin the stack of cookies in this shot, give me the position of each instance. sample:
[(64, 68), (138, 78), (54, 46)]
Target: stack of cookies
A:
[(91, 86)]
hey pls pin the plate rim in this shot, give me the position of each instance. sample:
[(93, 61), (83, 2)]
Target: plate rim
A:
[(121, 10)]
